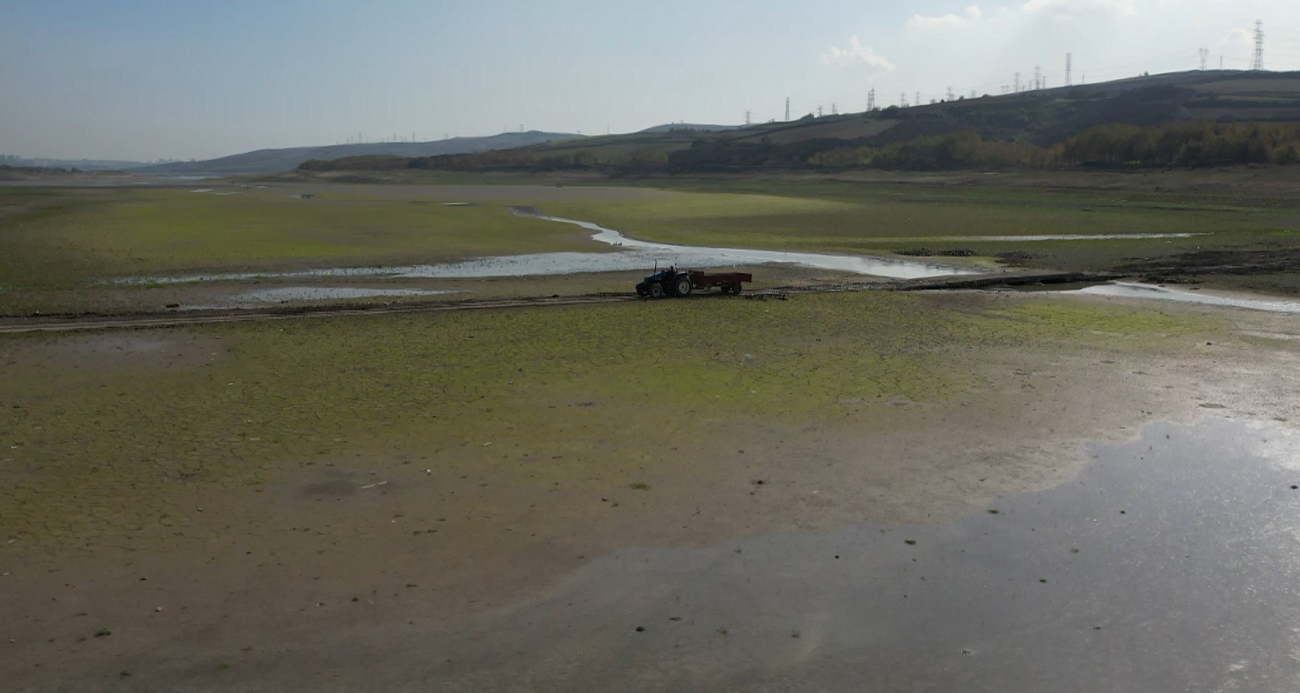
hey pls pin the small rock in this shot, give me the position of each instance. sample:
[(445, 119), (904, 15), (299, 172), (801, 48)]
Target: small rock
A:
[(910, 542), (640, 629)]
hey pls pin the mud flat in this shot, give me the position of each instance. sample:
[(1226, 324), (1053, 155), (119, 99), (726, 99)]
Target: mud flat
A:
[(502, 499)]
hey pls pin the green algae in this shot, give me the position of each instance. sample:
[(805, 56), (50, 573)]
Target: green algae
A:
[(106, 452)]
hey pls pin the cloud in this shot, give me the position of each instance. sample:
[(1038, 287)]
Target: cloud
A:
[(856, 53), (945, 22), (1236, 39), (1070, 8)]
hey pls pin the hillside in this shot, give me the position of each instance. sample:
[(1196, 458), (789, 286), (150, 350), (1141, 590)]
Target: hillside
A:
[(1028, 120), (279, 160), (689, 127), (79, 164)]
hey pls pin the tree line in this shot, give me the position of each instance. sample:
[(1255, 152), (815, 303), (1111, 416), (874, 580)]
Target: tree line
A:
[(1180, 145)]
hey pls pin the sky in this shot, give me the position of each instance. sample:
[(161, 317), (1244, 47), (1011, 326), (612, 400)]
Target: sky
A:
[(178, 79)]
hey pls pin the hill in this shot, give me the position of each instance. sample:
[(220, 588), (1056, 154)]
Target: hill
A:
[(1018, 124), (689, 127), (79, 164), (279, 160)]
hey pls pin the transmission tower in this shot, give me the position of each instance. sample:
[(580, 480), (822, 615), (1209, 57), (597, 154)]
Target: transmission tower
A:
[(902, 100), (835, 110), (951, 96), (747, 121), (918, 99), (1205, 59), (1258, 62), (1069, 67), (787, 109), (1015, 86), (819, 111), (871, 100), (1038, 77)]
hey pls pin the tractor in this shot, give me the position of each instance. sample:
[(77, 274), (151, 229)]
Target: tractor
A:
[(682, 283)]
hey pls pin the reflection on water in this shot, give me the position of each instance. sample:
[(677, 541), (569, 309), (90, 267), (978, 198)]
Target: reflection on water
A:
[(1147, 291), (1169, 564)]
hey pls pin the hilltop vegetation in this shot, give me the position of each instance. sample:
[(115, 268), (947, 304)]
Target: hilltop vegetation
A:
[(1183, 119)]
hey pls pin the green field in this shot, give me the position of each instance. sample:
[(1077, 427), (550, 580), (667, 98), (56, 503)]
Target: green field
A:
[(58, 246), (57, 238), (105, 435), (858, 218)]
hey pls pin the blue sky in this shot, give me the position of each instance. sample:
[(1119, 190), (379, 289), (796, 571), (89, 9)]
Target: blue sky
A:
[(148, 79)]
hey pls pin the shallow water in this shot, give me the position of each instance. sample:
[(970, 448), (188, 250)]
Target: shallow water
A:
[(630, 255), (1169, 564), (1160, 293)]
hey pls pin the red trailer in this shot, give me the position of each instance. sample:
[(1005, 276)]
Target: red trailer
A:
[(729, 282)]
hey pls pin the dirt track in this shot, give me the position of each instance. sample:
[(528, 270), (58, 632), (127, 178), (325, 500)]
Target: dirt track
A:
[(136, 322), (145, 321)]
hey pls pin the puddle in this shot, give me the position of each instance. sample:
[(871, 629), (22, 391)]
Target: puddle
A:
[(1169, 564), (1148, 291), (289, 294), (629, 255)]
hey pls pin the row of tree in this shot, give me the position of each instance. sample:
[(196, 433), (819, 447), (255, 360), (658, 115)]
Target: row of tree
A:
[(1181, 145), (1188, 144)]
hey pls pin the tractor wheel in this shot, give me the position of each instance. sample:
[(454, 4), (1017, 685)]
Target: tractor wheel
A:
[(684, 286), (656, 290), (735, 289)]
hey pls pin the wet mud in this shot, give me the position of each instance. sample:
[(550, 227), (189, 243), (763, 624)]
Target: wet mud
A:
[(1169, 564), (297, 294)]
